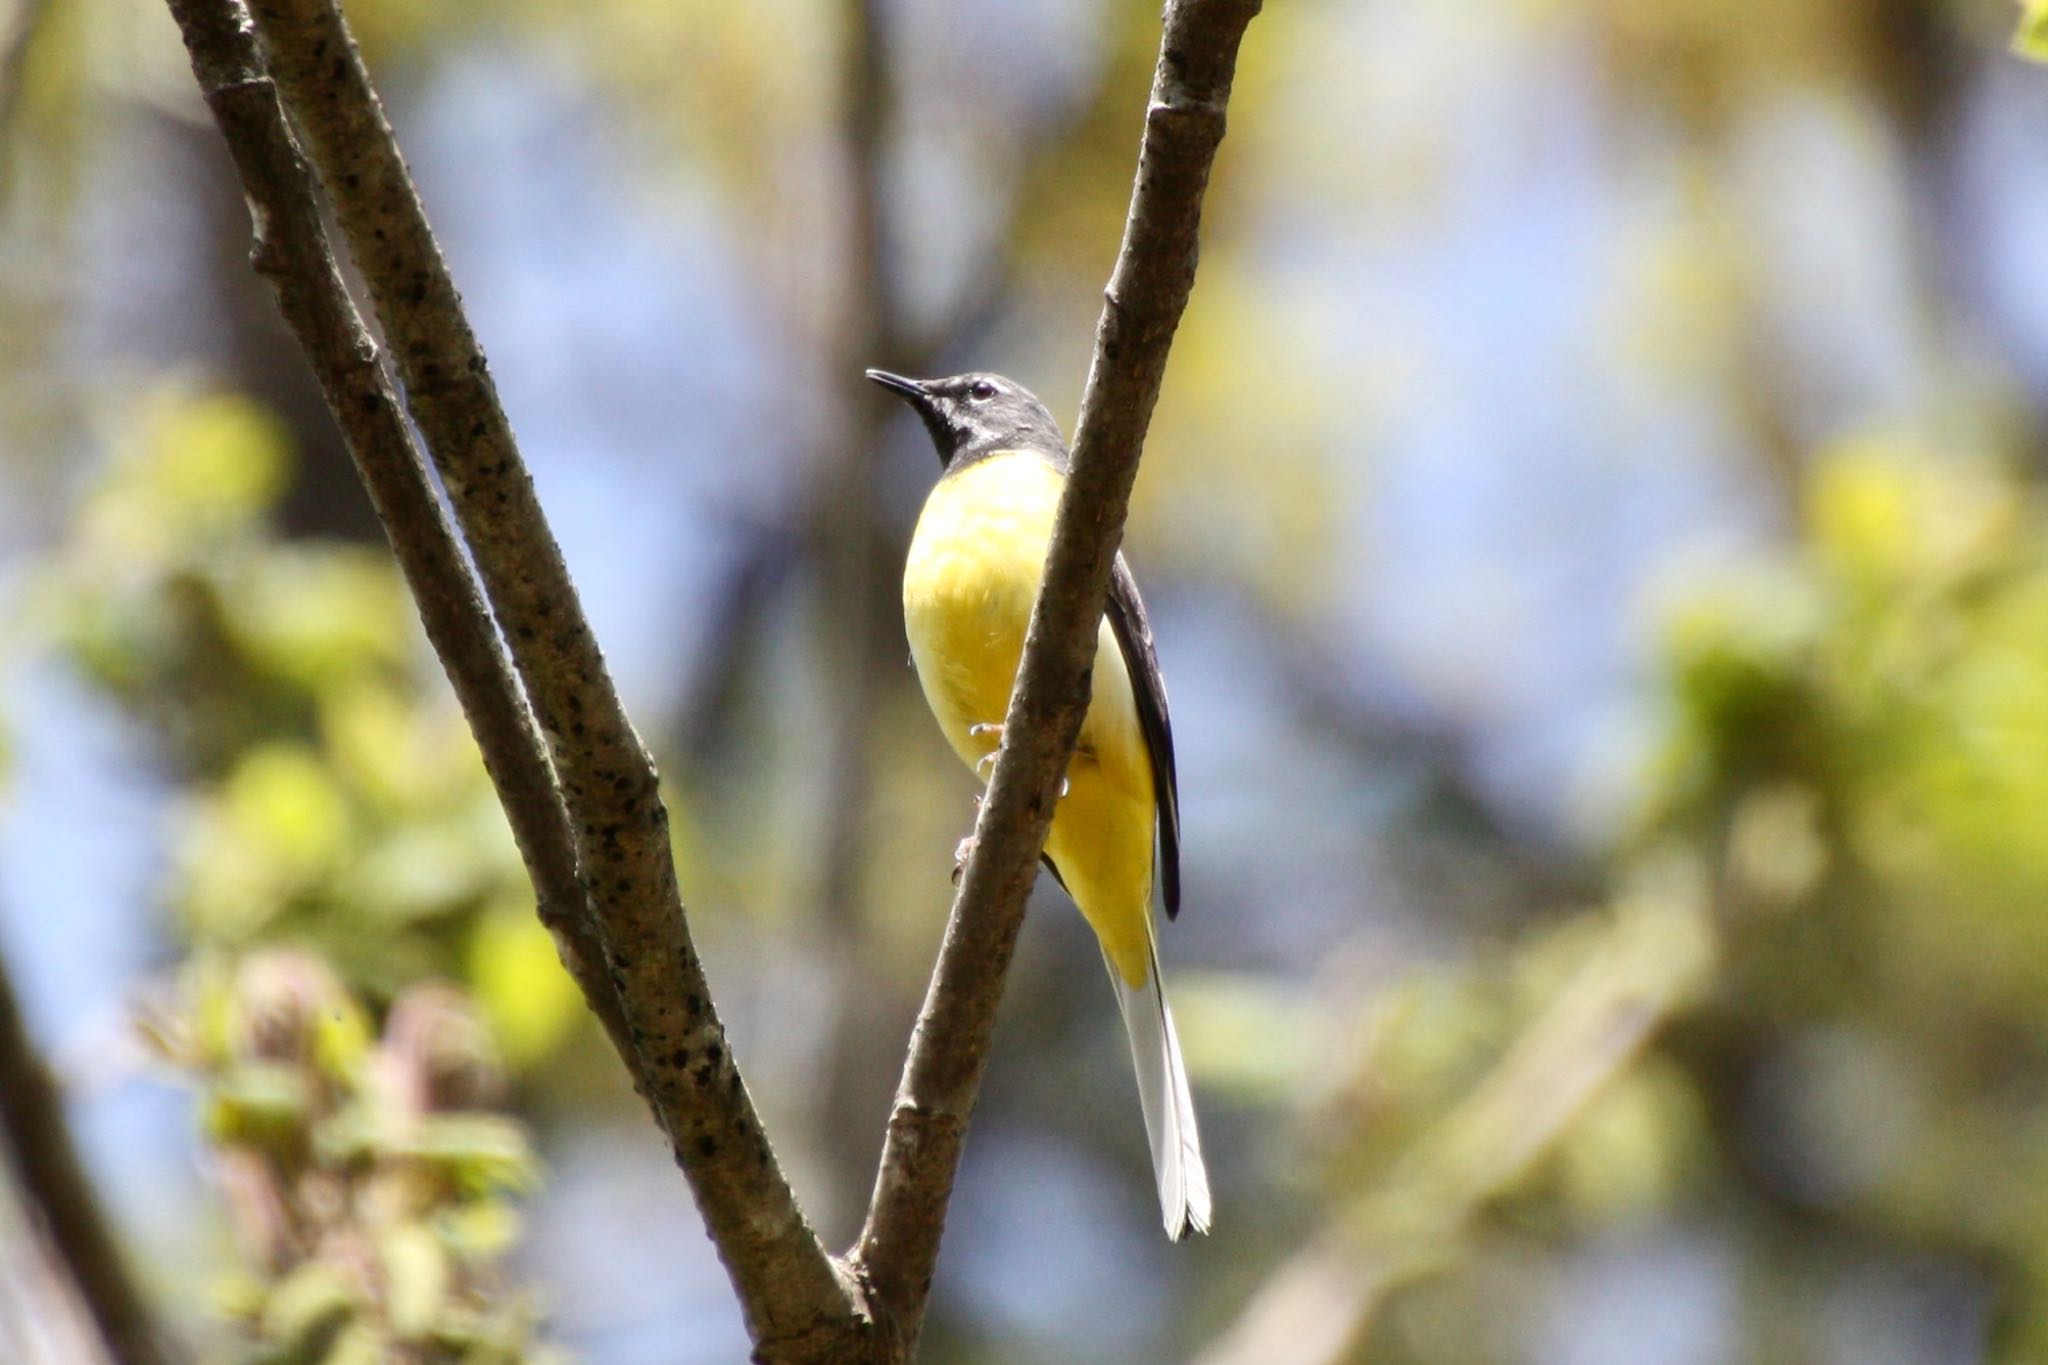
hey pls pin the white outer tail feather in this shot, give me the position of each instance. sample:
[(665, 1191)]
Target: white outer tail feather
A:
[(1168, 1103)]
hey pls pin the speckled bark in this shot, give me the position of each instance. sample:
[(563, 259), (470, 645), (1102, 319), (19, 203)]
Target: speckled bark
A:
[(1155, 269), (589, 803), (630, 948), (37, 1153), (291, 251)]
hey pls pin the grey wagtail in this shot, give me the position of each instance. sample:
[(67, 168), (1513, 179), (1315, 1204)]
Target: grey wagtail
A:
[(975, 564)]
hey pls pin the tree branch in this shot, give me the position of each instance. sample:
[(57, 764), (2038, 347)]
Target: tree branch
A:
[(1148, 289), (788, 1288), (797, 1302), (53, 1178), (291, 251)]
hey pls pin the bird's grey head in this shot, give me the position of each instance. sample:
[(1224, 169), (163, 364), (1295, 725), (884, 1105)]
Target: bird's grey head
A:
[(972, 414)]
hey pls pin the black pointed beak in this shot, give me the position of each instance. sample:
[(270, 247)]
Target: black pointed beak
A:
[(926, 404), (909, 389)]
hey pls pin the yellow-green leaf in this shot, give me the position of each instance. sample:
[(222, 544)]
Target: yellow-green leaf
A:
[(258, 1104), (481, 1231), (415, 1279), (201, 469), (478, 1152), (283, 798), (307, 1308), (2031, 41), (520, 984)]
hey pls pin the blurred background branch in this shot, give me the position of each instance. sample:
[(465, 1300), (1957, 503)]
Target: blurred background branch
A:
[(606, 783), (48, 1171), (1602, 429), (1317, 1307)]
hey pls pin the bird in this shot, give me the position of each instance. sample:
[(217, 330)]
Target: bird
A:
[(970, 579)]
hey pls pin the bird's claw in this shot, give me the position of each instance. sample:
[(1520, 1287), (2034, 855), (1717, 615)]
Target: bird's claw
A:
[(984, 767)]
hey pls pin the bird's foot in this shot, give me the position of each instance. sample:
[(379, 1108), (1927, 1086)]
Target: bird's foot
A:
[(984, 767)]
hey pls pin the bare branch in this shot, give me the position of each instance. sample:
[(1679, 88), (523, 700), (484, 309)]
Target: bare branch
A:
[(798, 1303), (789, 1289), (1148, 289), (39, 1147), (291, 251)]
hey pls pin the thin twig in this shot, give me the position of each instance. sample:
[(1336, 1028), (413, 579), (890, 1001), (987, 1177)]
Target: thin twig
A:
[(291, 251), (1148, 289), (1317, 1307), (788, 1288), (39, 1148), (847, 549)]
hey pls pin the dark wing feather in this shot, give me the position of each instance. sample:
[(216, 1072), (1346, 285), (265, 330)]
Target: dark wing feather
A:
[(1126, 614)]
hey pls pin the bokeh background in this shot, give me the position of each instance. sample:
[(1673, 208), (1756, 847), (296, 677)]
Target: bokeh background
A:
[(1596, 533)]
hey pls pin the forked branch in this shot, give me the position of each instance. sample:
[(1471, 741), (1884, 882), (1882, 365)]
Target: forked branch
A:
[(595, 815), (524, 661)]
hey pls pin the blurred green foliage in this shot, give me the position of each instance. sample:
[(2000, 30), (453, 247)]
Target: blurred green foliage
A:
[(1851, 785), (368, 1180), (1799, 1007), (2031, 40), (331, 800), (1860, 746), (334, 798)]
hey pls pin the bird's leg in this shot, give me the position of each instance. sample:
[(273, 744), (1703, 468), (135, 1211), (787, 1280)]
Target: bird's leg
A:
[(984, 767)]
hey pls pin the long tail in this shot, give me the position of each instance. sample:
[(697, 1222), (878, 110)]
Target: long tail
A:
[(1169, 1107)]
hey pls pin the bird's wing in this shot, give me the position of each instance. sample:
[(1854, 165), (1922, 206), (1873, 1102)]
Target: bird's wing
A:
[(1126, 614)]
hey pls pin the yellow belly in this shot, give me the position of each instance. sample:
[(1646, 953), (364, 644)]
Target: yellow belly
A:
[(975, 564)]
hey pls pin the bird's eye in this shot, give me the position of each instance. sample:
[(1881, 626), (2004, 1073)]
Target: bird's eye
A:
[(981, 390)]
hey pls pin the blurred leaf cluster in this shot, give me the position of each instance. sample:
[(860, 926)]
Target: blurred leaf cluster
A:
[(367, 1178), (1817, 1002), (333, 796), (1788, 1017), (338, 853), (1859, 740)]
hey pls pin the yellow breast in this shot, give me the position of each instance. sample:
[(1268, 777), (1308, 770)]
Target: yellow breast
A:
[(973, 572), (975, 564)]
